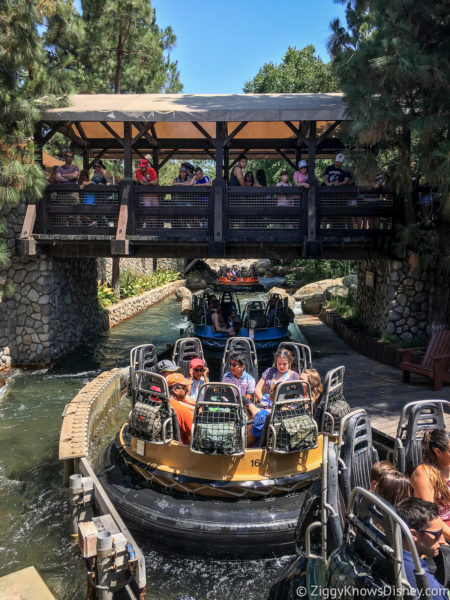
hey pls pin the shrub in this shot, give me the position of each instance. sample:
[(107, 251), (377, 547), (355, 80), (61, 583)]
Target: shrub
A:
[(105, 294)]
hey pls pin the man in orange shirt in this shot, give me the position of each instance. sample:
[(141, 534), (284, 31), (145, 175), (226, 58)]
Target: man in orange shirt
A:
[(178, 387)]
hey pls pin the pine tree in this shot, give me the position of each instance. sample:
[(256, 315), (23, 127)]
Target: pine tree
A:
[(393, 65), (124, 50)]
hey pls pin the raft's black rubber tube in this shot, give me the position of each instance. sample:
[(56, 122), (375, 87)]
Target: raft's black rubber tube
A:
[(219, 528)]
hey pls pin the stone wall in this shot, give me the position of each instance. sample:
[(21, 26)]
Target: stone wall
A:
[(400, 300), (142, 266), (115, 314)]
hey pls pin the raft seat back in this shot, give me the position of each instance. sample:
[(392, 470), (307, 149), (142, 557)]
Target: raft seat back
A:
[(134, 366), (370, 561), (151, 417), (301, 354), (147, 358), (291, 427), (356, 452), (245, 346), (283, 314), (416, 418), (184, 351), (219, 424), (333, 406), (226, 308)]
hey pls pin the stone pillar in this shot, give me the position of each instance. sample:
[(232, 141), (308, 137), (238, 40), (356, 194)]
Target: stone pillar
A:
[(394, 298), (48, 304)]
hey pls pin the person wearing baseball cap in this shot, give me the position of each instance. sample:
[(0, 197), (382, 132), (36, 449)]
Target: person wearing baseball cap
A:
[(198, 374), (301, 175), (334, 174), (178, 388), (145, 174), (165, 367)]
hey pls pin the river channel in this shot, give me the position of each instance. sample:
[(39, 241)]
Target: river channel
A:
[(34, 523)]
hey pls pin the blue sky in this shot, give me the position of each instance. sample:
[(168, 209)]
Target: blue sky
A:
[(223, 43)]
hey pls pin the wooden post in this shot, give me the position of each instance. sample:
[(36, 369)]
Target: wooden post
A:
[(127, 158), (216, 245), (312, 213), (38, 146), (226, 164), (156, 160), (85, 160)]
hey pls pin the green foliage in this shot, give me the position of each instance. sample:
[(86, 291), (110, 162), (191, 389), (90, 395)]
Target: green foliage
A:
[(344, 305), (299, 71), (308, 270), (415, 342), (133, 284), (106, 296)]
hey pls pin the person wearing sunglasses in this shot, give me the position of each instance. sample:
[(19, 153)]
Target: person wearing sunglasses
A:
[(238, 376), (178, 389), (68, 172), (280, 372), (198, 374), (422, 519), (100, 175)]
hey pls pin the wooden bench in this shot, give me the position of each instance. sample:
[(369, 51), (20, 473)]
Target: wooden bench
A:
[(435, 363)]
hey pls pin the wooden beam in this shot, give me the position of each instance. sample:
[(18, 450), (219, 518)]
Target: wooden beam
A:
[(220, 128), (211, 154), (153, 130), (48, 136), (28, 222), (168, 157), (327, 132), (234, 132), (113, 133), (203, 132), (142, 131), (292, 127), (80, 130), (287, 159)]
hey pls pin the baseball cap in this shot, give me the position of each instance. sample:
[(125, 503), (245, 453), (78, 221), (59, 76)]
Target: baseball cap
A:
[(302, 163), (167, 365), (143, 162), (196, 362), (183, 168), (174, 378), (340, 157)]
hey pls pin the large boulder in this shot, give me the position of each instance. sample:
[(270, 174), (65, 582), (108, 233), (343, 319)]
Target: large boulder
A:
[(200, 276), (314, 295), (185, 295)]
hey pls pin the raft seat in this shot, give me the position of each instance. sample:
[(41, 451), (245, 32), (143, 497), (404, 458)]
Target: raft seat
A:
[(219, 424), (290, 424), (152, 417), (416, 418)]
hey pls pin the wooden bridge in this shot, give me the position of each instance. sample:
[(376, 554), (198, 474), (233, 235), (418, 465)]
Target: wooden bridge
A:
[(220, 221)]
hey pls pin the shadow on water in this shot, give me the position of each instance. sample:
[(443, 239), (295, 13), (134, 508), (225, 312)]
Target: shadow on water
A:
[(34, 505)]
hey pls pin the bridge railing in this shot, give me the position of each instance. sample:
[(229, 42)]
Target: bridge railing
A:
[(356, 212), (173, 212), (279, 212), (67, 209), (214, 214)]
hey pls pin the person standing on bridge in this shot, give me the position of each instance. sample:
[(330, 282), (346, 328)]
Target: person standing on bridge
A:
[(237, 173), (334, 174), (68, 172), (146, 175)]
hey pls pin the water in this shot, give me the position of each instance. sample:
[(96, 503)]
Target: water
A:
[(34, 512)]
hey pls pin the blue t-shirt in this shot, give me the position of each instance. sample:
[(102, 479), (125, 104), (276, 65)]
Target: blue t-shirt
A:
[(437, 591), (258, 424)]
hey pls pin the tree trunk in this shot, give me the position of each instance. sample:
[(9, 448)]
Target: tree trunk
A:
[(115, 277)]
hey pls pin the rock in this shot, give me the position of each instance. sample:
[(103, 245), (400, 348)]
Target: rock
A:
[(312, 295), (200, 276)]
